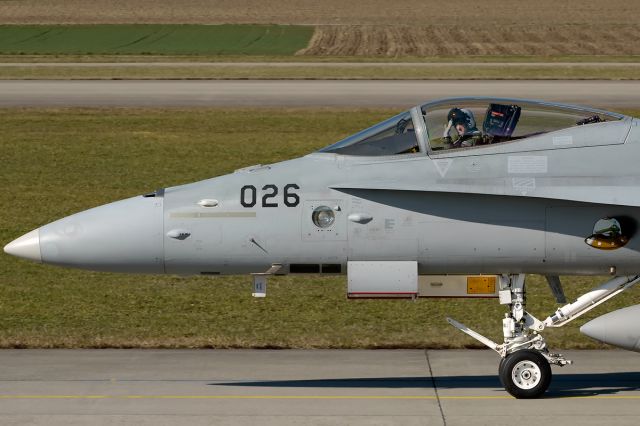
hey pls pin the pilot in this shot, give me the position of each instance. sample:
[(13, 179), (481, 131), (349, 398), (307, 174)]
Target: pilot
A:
[(465, 125)]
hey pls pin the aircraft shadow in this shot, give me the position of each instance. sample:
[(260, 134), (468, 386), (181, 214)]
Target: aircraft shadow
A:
[(563, 385)]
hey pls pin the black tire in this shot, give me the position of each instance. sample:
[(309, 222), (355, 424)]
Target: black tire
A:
[(525, 374), (500, 368)]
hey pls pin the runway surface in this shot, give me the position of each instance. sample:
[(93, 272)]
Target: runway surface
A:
[(311, 93), (317, 387)]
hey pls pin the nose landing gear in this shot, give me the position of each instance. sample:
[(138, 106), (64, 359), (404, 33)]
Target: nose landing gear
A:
[(525, 367)]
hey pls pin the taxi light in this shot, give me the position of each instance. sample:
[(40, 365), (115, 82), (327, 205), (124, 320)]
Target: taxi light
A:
[(323, 217)]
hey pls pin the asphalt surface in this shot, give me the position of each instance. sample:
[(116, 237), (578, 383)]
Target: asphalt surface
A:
[(316, 387), (311, 93)]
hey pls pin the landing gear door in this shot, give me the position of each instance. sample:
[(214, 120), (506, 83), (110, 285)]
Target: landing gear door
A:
[(382, 279)]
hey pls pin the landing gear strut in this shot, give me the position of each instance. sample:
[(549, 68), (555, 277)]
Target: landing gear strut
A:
[(524, 368)]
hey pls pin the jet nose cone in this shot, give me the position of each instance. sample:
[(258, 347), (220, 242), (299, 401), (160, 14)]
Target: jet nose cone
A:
[(27, 246), (124, 236)]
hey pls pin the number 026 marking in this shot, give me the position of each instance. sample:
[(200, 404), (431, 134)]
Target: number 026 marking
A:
[(249, 195)]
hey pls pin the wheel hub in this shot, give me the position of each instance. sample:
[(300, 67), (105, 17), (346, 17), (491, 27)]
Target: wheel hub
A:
[(526, 374)]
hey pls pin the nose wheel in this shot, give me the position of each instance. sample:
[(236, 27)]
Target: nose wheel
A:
[(525, 374)]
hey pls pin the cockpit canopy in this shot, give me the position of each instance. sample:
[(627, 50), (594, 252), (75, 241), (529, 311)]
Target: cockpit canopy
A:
[(393, 136), (502, 120), (465, 123)]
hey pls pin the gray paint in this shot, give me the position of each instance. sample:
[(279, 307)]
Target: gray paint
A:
[(618, 328), (125, 236)]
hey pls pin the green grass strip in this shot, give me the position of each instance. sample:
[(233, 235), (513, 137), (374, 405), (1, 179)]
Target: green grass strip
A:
[(154, 39), (302, 59), (303, 71)]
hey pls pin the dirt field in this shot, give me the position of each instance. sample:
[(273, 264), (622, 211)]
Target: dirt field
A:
[(462, 13), (359, 40), (380, 27)]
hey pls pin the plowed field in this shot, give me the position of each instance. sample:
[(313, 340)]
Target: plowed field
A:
[(462, 13), (367, 40)]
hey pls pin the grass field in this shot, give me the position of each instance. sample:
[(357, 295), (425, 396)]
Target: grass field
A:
[(154, 39), (299, 59), (265, 71), (59, 161)]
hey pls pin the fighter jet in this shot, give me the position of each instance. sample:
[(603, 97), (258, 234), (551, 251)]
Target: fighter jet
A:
[(453, 198)]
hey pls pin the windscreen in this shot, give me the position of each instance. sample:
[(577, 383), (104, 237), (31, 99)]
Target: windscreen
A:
[(391, 137)]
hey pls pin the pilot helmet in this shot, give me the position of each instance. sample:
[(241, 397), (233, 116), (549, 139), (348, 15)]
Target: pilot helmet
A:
[(462, 116)]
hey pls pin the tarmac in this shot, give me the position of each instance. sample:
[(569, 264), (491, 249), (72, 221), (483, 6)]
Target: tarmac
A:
[(306, 387), (304, 93)]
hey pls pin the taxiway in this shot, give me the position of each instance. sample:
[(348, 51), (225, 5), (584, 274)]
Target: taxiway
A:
[(303, 93), (315, 387)]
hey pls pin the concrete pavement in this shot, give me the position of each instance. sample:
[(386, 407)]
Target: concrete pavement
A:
[(303, 93), (316, 387)]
